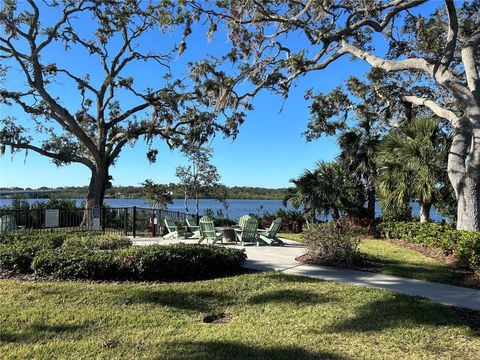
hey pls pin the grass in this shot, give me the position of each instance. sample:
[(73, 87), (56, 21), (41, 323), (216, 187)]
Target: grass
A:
[(400, 261), (397, 260), (291, 236), (272, 316)]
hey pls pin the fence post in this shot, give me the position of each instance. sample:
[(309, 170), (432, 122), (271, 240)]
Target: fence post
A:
[(154, 226), (134, 230), (197, 216), (159, 221), (102, 218), (125, 221)]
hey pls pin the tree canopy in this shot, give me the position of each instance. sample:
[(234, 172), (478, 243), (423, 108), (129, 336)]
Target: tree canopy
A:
[(80, 116), (431, 62)]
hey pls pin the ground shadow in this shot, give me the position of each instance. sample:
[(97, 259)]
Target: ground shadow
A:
[(201, 301), (415, 270), (225, 350), (39, 332), (300, 297), (394, 312)]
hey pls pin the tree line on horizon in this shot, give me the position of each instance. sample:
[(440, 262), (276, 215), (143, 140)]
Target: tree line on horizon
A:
[(136, 192)]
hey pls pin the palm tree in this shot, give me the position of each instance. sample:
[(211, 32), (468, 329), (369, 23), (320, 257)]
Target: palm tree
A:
[(412, 160), (302, 195), (328, 189), (357, 154)]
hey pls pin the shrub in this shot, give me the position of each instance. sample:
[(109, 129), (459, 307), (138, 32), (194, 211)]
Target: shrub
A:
[(183, 261), (465, 245), (55, 238), (332, 243), (98, 241), (292, 220), (93, 255), (19, 251), (70, 262), (152, 262)]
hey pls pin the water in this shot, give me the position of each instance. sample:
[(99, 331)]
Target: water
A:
[(237, 207)]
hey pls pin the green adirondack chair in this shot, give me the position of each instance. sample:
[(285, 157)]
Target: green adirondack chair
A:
[(8, 223), (192, 226), (248, 232), (242, 220), (207, 231), (269, 235), (174, 231)]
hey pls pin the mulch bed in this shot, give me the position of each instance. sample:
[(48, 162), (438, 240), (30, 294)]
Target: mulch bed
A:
[(425, 250), (362, 264), (463, 277)]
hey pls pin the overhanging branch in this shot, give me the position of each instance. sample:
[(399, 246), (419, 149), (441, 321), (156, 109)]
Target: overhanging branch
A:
[(61, 157), (432, 105)]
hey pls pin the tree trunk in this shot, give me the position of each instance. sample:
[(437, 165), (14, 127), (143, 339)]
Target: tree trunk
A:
[(196, 204), (464, 171), (425, 212), (371, 196), (468, 212), (99, 183), (335, 214), (185, 202)]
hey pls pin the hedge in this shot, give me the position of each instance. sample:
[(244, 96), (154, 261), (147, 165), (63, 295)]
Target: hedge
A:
[(24, 236), (152, 262), (183, 261), (70, 262), (106, 256), (464, 244), (18, 252), (18, 249), (103, 242)]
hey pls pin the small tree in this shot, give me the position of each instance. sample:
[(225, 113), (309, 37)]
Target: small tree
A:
[(199, 177), (159, 196)]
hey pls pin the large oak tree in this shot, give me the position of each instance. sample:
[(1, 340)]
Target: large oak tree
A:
[(435, 56), (111, 109)]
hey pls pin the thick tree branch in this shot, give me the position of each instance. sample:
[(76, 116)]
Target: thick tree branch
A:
[(433, 106), (471, 67), (452, 34), (126, 114), (388, 65), (61, 157)]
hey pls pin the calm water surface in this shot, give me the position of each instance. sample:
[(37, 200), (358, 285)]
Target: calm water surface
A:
[(236, 207)]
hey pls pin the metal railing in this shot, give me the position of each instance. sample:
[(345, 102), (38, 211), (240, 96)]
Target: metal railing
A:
[(134, 221)]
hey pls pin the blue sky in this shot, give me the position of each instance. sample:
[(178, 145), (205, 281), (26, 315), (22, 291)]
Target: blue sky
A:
[(268, 152)]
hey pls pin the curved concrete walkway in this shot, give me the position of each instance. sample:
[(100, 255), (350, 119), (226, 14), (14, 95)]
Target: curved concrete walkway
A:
[(282, 258)]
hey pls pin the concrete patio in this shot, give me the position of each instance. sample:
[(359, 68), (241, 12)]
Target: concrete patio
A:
[(282, 258)]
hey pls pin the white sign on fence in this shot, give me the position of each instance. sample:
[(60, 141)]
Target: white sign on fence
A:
[(96, 218), (52, 217)]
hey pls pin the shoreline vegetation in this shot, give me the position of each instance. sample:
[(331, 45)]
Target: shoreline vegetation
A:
[(135, 192)]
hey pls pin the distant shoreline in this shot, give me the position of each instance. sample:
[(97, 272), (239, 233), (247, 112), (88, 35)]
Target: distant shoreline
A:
[(135, 192)]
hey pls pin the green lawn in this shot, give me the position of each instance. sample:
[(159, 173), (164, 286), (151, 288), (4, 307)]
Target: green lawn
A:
[(401, 261), (291, 236), (398, 260), (272, 316)]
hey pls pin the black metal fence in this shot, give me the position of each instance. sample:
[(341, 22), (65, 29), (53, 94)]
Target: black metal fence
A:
[(134, 221)]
